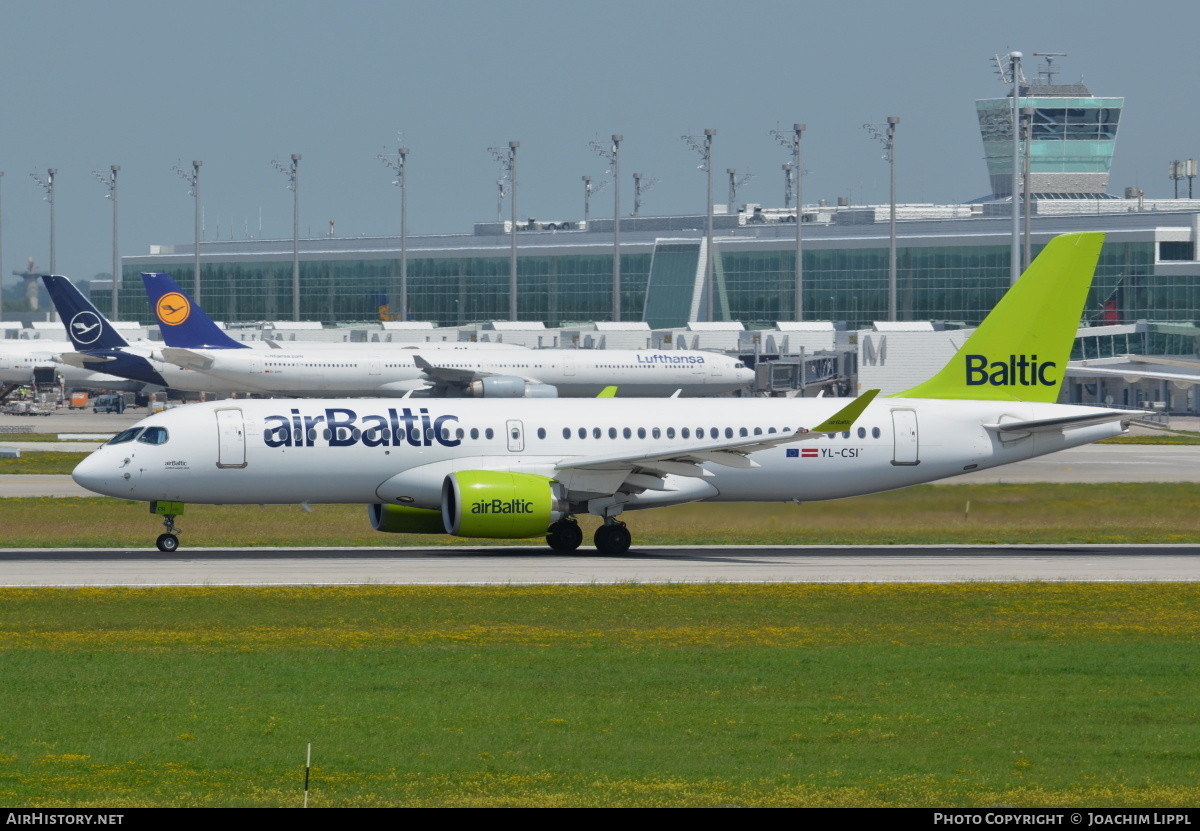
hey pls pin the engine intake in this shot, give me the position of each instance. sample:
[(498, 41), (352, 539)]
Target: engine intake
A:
[(405, 519), (500, 504)]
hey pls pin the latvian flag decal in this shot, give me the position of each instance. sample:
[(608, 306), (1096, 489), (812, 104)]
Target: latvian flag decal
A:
[(805, 453)]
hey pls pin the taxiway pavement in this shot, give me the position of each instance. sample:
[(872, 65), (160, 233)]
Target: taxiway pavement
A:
[(522, 565)]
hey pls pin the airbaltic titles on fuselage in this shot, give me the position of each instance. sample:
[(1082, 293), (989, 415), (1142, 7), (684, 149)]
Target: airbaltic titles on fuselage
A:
[(344, 428)]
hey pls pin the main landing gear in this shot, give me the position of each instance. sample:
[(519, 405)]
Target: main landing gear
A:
[(611, 538), (565, 535)]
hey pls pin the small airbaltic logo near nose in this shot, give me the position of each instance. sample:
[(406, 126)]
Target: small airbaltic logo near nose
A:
[(1017, 372)]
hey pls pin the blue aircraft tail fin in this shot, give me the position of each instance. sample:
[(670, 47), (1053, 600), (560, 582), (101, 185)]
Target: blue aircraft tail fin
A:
[(182, 322), (88, 329)]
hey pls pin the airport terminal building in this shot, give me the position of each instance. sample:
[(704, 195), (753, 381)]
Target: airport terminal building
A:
[(953, 261)]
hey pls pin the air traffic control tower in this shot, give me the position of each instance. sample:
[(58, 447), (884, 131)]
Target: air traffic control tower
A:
[(1073, 137)]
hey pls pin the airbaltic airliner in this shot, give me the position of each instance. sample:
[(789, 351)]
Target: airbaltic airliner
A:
[(526, 468), (196, 343)]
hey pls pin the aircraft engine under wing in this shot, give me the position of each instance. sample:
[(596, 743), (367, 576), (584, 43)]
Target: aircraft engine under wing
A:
[(469, 383)]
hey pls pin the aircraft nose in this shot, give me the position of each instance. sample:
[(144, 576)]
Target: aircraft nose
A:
[(97, 473)]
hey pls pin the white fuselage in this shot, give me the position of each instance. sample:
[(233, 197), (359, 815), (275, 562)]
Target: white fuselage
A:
[(575, 373), (18, 359), (382, 451)]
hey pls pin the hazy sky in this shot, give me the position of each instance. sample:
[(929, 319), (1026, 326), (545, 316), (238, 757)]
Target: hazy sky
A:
[(147, 85)]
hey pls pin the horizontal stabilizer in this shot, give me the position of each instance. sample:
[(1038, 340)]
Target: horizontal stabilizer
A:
[(1050, 425), (187, 359), (79, 359)]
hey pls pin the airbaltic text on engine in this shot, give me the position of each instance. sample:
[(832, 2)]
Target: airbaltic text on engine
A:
[(1013, 373), (345, 428), (502, 506)]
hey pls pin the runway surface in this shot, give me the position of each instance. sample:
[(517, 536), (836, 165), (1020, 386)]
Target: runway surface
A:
[(648, 564)]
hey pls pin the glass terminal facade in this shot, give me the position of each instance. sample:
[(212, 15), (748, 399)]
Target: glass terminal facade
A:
[(949, 271)]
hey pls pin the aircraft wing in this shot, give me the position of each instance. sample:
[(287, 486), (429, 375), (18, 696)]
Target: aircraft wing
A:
[(187, 358), (685, 460), (1134, 372), (1050, 425), (446, 375)]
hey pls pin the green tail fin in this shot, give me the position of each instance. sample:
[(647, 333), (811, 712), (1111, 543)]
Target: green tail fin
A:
[(1020, 351), (607, 392)]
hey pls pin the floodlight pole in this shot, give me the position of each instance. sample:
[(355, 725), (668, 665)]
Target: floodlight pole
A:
[(400, 165), (891, 134), (47, 183), (790, 169), (616, 289), (1, 245), (705, 151), (1014, 255), (110, 182), (512, 257), (116, 274), (404, 233), (1027, 123), (50, 174), (708, 261), (193, 180)]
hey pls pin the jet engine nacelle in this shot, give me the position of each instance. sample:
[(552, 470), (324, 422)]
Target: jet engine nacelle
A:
[(500, 504), (509, 386), (405, 519)]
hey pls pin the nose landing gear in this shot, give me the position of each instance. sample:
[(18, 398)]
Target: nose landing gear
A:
[(167, 542)]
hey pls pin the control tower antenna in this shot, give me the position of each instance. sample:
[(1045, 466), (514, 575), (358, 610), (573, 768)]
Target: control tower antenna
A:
[(1047, 70), (1004, 65)]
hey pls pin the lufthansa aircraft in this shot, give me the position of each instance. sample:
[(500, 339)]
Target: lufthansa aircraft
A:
[(101, 348), (525, 468), (19, 358), (311, 370)]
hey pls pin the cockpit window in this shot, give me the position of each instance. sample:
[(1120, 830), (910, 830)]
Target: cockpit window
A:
[(128, 435), (154, 435)]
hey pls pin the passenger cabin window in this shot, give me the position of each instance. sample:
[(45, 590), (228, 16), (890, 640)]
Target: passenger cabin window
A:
[(154, 435)]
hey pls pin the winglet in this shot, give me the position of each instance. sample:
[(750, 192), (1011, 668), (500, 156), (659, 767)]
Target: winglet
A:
[(1020, 350), (608, 392), (181, 320), (845, 417)]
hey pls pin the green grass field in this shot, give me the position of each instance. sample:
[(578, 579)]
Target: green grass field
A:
[(947, 695), (1115, 513)]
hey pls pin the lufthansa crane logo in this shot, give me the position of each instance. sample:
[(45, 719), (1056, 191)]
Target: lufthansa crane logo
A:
[(85, 327), (173, 308)]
